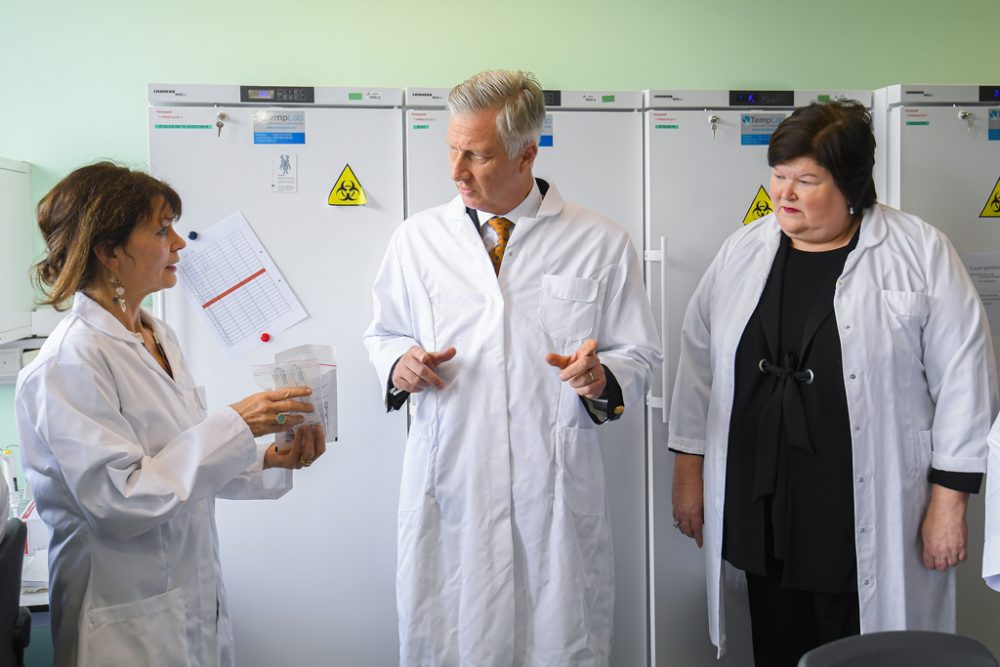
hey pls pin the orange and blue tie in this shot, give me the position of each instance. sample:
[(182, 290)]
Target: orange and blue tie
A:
[(503, 227)]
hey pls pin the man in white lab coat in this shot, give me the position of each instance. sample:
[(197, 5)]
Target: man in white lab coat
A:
[(516, 322)]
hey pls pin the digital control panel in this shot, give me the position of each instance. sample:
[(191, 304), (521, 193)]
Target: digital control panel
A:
[(278, 94), (761, 98)]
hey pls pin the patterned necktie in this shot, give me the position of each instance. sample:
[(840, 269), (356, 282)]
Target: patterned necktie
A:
[(503, 227)]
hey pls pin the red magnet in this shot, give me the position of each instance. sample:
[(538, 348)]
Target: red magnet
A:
[(265, 337)]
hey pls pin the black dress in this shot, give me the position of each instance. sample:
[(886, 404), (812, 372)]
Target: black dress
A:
[(789, 491)]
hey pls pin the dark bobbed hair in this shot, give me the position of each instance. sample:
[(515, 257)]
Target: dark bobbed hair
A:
[(95, 206), (838, 136)]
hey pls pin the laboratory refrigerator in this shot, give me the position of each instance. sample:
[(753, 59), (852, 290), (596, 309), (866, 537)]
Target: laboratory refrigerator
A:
[(310, 577), (938, 157), (706, 174)]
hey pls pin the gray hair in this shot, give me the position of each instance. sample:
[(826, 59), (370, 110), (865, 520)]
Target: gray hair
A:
[(517, 97)]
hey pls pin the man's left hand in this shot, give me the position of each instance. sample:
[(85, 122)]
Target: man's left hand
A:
[(944, 532), (582, 370)]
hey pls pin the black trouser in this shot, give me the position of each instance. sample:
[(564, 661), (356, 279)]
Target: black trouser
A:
[(787, 624)]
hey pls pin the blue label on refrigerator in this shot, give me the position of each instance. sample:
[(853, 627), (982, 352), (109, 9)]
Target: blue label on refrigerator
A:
[(756, 128), (993, 129), (546, 138), (279, 126)]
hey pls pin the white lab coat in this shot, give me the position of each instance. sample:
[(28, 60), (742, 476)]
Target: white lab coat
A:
[(991, 546), (921, 391), (125, 465), (504, 551)]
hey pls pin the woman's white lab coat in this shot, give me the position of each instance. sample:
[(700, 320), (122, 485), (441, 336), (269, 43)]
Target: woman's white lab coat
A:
[(125, 464), (991, 547), (504, 547), (921, 391)]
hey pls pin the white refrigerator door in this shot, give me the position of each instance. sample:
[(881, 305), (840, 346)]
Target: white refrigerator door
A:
[(596, 161), (699, 188), (944, 173), (312, 575)]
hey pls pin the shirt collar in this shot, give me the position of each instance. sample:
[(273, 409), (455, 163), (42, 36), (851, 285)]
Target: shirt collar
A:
[(526, 209)]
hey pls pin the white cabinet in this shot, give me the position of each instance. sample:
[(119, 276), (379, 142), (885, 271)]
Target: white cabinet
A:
[(16, 250)]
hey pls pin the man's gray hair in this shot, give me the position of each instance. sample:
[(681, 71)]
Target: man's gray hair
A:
[(516, 95)]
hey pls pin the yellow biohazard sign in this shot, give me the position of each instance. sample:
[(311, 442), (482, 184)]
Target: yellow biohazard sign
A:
[(347, 191), (992, 208), (759, 207)]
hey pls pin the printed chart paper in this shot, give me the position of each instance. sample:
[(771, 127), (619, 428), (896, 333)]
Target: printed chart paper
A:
[(237, 286)]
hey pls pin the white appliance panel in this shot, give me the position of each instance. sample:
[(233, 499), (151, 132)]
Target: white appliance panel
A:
[(937, 167), (699, 187), (17, 299), (319, 564)]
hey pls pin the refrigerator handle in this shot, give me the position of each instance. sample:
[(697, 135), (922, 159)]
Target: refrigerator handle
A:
[(652, 401)]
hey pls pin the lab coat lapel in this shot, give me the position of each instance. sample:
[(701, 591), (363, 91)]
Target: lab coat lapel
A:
[(552, 205), (96, 316), (769, 312), (823, 305)]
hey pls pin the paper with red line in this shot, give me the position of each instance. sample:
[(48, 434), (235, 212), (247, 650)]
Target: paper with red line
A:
[(237, 286)]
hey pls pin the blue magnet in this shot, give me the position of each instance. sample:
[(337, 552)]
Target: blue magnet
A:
[(192, 235)]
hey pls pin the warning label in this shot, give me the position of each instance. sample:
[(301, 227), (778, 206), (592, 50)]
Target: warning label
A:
[(347, 191), (992, 208), (759, 207)]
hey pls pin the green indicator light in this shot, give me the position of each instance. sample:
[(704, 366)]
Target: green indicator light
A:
[(823, 98), (667, 127), (354, 96), (918, 122), (607, 98), (421, 127)]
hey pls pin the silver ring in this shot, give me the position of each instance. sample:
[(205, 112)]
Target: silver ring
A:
[(306, 462), (812, 376), (591, 374), (280, 419), (677, 524)]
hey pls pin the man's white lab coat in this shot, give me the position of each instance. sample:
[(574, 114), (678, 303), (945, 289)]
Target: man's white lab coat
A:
[(504, 551), (921, 391), (125, 464)]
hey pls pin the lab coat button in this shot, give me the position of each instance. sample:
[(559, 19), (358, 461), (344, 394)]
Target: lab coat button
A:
[(861, 480), (847, 326), (853, 376), (867, 582)]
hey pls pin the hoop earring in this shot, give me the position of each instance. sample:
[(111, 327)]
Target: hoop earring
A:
[(119, 298)]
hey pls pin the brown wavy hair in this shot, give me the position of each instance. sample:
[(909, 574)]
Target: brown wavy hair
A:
[(95, 206)]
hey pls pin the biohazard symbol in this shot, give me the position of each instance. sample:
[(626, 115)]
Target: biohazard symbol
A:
[(759, 207), (992, 208), (347, 191)]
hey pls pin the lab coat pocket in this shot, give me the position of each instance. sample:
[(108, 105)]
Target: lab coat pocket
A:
[(200, 402), (145, 632), (923, 452), (907, 304), (905, 316), (418, 465), (568, 307), (580, 470)]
